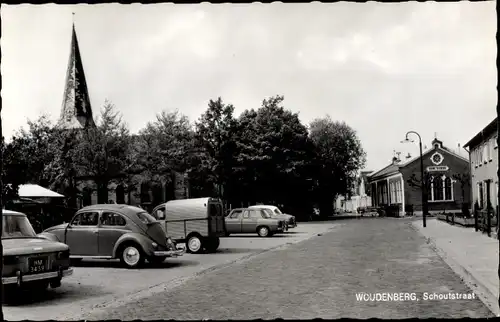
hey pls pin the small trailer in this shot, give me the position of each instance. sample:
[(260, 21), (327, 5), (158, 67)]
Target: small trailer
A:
[(196, 222)]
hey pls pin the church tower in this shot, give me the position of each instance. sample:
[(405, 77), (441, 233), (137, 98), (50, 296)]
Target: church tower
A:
[(76, 112)]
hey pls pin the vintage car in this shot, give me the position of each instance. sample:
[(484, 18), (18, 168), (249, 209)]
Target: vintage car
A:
[(197, 222), (110, 231), (276, 213), (253, 220), (30, 261)]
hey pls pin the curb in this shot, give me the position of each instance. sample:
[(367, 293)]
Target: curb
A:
[(176, 282), (488, 298)]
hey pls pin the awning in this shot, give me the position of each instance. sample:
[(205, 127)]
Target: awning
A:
[(36, 191)]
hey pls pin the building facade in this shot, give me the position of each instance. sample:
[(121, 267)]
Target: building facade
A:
[(446, 174), (361, 197), (483, 153)]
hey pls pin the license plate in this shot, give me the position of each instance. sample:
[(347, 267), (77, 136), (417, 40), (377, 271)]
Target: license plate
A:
[(37, 265)]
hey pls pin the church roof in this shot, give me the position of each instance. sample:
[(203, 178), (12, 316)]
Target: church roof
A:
[(76, 111)]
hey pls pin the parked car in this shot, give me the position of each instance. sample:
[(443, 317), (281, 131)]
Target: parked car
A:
[(276, 213), (30, 261), (253, 220), (197, 222), (111, 231)]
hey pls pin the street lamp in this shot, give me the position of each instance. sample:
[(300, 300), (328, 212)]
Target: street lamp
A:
[(424, 187)]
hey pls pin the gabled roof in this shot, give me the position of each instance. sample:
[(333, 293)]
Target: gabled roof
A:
[(483, 134), (394, 167), (391, 168), (428, 151)]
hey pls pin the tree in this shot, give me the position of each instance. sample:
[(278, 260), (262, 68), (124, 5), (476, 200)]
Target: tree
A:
[(100, 152), (162, 147), (31, 152), (339, 156), (215, 134), (275, 154)]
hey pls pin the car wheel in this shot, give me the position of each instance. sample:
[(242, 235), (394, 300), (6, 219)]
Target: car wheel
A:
[(263, 231), (194, 244), (131, 256), (212, 244)]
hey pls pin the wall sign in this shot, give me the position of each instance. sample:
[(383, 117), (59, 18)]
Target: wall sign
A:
[(438, 168)]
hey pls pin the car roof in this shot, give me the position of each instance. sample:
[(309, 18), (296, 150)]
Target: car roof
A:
[(126, 209), (12, 213), (263, 206)]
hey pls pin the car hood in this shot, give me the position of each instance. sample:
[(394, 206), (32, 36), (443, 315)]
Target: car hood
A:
[(156, 233), (25, 246), (282, 216), (61, 226)]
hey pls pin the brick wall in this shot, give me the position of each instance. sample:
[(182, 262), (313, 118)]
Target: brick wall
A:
[(413, 195)]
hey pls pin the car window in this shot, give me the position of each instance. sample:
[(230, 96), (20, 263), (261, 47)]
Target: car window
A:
[(236, 213), (86, 219), (112, 219), (246, 214), (266, 213), (255, 214), (146, 218), (16, 227), (160, 213), (277, 211)]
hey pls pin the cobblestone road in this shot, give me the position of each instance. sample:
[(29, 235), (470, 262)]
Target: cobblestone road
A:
[(319, 278), (102, 284)]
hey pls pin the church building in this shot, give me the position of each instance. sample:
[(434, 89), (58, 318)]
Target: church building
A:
[(446, 173), (76, 114)]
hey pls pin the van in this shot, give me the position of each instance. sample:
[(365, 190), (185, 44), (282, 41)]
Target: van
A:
[(197, 222)]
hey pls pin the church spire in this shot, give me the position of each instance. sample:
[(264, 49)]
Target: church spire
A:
[(76, 112)]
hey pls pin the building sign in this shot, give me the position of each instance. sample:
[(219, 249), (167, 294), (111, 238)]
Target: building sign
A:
[(437, 168)]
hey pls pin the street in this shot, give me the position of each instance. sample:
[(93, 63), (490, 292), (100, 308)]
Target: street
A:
[(104, 284), (319, 278), (313, 272)]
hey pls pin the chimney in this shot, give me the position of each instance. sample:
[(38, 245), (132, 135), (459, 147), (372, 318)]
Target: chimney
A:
[(408, 156)]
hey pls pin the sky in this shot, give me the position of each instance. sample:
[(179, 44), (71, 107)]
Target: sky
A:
[(383, 68)]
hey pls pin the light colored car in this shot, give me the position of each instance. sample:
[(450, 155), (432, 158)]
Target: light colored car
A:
[(30, 261), (109, 231), (276, 212), (197, 222), (253, 220)]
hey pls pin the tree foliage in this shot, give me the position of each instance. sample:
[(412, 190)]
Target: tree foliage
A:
[(265, 155), (215, 137), (338, 157)]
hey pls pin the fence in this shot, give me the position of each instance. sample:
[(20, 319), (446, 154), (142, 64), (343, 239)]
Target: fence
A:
[(487, 221)]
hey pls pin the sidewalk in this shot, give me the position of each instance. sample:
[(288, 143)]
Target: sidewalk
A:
[(472, 255)]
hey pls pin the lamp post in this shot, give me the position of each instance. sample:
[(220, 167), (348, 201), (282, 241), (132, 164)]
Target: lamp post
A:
[(423, 183)]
